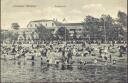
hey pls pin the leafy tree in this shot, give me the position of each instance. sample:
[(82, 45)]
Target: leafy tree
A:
[(107, 23), (8, 35), (44, 34), (62, 33), (121, 25), (92, 25), (15, 26), (122, 18)]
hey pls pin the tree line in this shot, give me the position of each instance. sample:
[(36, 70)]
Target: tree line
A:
[(106, 27)]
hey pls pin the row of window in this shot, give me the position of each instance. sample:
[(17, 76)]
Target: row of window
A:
[(47, 24), (35, 25)]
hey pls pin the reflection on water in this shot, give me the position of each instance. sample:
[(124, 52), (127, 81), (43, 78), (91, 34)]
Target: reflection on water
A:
[(36, 71)]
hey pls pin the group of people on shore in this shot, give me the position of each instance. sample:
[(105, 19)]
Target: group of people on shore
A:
[(59, 51)]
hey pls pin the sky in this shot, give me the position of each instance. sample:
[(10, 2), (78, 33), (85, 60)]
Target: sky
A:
[(24, 11)]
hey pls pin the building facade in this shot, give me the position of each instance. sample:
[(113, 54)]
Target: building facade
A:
[(55, 25)]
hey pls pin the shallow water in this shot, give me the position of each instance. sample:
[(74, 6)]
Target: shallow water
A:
[(28, 71)]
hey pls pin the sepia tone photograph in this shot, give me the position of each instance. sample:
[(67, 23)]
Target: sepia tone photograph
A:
[(63, 41)]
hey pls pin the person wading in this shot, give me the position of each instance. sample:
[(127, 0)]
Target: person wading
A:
[(69, 56)]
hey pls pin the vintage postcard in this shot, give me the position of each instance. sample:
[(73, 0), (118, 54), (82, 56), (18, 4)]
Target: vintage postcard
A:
[(63, 41)]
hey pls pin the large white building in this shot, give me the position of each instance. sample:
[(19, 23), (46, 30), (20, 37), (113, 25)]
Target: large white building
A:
[(48, 24), (55, 25)]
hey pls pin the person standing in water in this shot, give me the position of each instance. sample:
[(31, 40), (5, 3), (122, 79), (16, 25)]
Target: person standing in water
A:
[(69, 56)]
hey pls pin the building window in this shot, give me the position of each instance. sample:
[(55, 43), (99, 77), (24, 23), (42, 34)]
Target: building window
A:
[(35, 25), (52, 24)]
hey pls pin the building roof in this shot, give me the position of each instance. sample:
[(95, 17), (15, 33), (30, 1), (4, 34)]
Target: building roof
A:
[(41, 20), (57, 23)]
